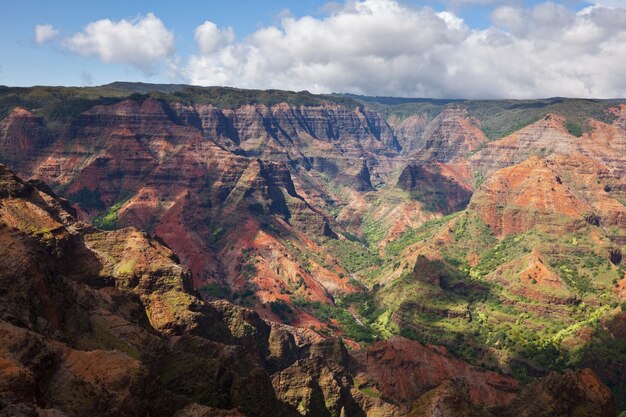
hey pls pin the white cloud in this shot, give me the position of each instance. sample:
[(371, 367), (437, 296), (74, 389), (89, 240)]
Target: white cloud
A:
[(142, 42), (210, 37), (609, 3), (385, 48), (45, 33)]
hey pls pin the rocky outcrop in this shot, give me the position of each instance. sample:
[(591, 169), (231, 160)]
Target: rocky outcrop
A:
[(526, 195), (403, 370), (615, 256), (451, 398), (570, 394), (433, 188), (409, 131), (573, 393), (450, 135), (22, 137), (101, 323)]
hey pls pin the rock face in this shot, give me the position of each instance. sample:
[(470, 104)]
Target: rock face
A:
[(295, 206), (22, 137), (571, 394), (448, 399), (107, 323), (574, 393), (435, 188), (409, 132), (449, 136), (541, 138), (193, 174), (518, 198), (403, 370)]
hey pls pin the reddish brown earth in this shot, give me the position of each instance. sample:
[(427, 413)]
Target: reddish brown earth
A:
[(404, 369), (22, 135), (171, 171), (248, 198), (107, 323), (621, 288), (526, 195), (450, 136)]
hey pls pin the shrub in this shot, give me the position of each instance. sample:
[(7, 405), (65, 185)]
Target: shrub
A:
[(574, 129), (282, 310), (215, 290)]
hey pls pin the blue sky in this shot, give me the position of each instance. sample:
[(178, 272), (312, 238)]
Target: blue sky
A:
[(433, 48)]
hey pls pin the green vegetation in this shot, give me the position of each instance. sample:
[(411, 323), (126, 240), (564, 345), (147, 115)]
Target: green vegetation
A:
[(108, 220), (217, 233), (574, 128), (481, 307), (227, 97), (348, 324), (248, 296), (401, 108), (44, 233), (498, 118), (215, 290), (411, 236), (352, 256), (282, 310), (478, 179), (126, 267), (503, 117), (370, 392), (365, 303), (58, 105)]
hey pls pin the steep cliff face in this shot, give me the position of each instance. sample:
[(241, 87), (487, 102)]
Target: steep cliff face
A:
[(435, 179), (518, 198), (434, 187), (339, 135), (107, 323), (325, 217), (403, 370), (22, 136), (541, 138), (604, 143), (409, 131), (104, 323), (193, 173), (451, 135)]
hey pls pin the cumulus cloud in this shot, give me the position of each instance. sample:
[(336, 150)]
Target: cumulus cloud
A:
[(45, 33), (142, 42), (382, 47), (210, 37)]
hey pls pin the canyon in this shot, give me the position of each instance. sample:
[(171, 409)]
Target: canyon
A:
[(215, 251)]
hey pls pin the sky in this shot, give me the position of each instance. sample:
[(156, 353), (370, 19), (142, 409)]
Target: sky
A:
[(406, 48)]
